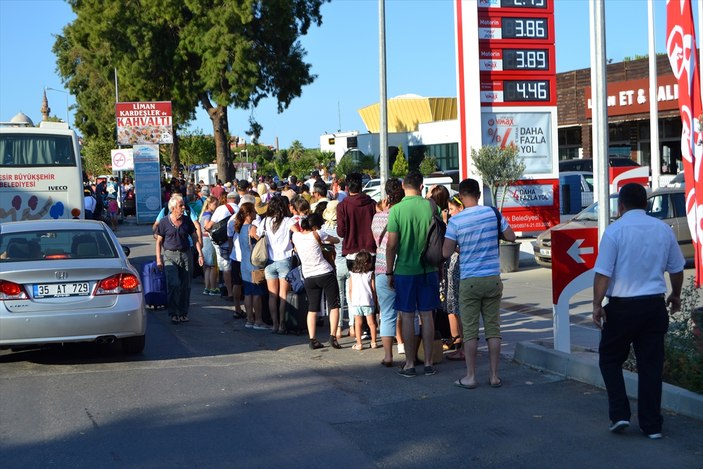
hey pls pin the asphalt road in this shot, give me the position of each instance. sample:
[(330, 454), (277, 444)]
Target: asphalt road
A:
[(211, 393)]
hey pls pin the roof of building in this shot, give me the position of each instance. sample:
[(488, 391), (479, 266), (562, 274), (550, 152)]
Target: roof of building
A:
[(407, 111)]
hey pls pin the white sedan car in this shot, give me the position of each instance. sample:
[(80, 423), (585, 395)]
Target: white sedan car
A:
[(68, 281)]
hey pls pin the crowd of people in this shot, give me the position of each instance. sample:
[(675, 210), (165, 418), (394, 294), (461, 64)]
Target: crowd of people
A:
[(360, 260)]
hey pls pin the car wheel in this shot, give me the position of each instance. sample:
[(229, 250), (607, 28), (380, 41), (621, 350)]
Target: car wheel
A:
[(133, 345)]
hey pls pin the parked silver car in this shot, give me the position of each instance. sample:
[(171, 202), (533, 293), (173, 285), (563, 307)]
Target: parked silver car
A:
[(667, 203), (68, 281)]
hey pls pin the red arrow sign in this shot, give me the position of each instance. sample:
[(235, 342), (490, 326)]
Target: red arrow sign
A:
[(574, 251)]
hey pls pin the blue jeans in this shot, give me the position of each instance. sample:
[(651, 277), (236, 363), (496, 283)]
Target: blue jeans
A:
[(342, 277), (386, 303)]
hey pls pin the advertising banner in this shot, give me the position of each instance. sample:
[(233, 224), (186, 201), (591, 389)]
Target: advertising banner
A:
[(531, 132), (531, 205), (147, 182), (122, 160), (144, 123)]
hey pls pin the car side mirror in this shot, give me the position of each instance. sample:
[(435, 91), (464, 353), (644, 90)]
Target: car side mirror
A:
[(126, 250)]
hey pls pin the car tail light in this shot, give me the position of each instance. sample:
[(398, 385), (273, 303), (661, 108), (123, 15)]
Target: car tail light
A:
[(12, 291), (118, 284)]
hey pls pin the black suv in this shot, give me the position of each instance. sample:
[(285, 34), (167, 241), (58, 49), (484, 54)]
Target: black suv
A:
[(583, 164)]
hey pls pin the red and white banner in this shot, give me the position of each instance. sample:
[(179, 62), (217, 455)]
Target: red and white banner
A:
[(144, 123), (681, 49)]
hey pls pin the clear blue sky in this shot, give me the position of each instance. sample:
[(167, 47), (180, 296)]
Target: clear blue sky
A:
[(343, 53)]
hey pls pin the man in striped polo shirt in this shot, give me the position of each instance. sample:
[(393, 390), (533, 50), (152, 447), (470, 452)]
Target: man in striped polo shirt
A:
[(475, 231)]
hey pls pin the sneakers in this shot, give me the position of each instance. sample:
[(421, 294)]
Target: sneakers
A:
[(430, 370), (206, 292), (365, 336), (655, 436), (214, 292), (401, 349), (407, 372), (619, 426), (249, 325), (262, 327)]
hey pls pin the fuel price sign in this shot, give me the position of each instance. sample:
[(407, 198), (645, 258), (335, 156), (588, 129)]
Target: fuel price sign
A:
[(524, 5), (520, 91), (517, 59), (524, 28)]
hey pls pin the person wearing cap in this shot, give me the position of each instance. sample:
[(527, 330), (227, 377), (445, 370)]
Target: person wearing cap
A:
[(223, 251), (228, 186)]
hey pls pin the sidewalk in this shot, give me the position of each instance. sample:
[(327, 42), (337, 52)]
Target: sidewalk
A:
[(526, 323)]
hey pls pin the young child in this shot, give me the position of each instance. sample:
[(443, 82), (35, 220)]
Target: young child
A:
[(361, 297), (113, 209)]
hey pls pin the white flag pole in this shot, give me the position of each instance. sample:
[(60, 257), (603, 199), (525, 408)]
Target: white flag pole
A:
[(655, 160)]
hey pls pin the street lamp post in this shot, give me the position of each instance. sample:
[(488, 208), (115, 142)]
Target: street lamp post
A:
[(66, 93)]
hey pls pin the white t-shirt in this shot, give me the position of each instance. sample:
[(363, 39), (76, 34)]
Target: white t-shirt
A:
[(310, 253), (236, 254), (279, 245), (360, 286)]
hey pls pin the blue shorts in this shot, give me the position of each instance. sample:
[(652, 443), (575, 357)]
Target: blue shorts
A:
[(277, 269), (361, 310), (416, 292)]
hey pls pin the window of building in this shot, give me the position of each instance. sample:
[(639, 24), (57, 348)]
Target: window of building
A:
[(446, 154)]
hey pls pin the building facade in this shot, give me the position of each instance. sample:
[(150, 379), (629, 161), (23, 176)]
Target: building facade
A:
[(429, 127)]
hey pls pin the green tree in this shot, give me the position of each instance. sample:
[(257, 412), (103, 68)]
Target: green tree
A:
[(428, 165), (198, 52), (498, 167), (196, 148), (296, 150), (96, 155), (400, 167)]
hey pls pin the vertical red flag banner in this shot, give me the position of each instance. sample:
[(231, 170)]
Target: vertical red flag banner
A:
[(681, 49)]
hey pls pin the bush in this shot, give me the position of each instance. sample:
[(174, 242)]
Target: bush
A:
[(428, 165), (683, 362), (400, 167)]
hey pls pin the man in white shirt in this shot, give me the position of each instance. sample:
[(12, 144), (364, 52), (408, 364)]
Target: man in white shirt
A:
[(223, 250), (634, 253)]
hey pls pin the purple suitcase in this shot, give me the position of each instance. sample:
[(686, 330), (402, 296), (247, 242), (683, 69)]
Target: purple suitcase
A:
[(154, 281)]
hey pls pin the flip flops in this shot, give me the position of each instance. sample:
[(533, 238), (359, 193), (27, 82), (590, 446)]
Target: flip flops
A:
[(459, 383)]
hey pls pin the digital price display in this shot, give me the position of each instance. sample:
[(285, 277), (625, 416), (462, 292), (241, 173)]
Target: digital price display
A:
[(540, 91), (533, 29), (517, 5), (526, 90), (542, 4), (514, 59)]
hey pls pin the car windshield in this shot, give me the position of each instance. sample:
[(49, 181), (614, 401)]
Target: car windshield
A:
[(57, 244), (590, 213)]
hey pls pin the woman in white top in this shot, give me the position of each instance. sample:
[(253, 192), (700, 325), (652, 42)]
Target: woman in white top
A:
[(318, 274), (276, 228), (209, 259)]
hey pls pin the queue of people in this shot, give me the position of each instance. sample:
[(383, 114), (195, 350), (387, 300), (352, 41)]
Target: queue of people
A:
[(360, 262), (375, 276)]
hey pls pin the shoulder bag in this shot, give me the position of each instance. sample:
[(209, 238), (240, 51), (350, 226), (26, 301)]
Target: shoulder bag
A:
[(328, 251), (260, 253)]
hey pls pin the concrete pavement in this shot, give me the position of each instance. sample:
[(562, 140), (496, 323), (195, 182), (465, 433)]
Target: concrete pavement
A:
[(353, 412)]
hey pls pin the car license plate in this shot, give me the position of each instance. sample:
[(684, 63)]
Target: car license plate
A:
[(545, 252), (56, 290)]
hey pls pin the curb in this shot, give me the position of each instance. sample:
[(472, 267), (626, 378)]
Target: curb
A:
[(579, 368)]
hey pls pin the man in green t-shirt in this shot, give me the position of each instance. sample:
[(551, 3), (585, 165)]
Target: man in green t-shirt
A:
[(416, 285)]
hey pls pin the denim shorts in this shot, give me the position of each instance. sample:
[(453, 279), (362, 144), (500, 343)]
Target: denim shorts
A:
[(277, 269), (361, 310), (416, 292)]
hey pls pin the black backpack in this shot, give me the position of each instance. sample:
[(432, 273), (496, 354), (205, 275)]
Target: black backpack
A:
[(432, 253), (218, 231)]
